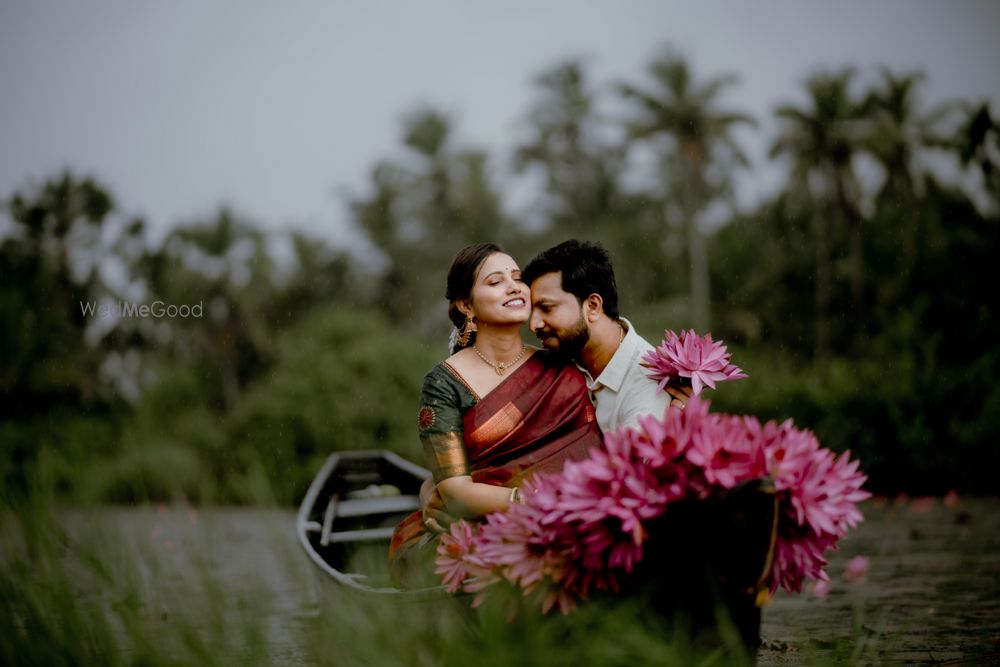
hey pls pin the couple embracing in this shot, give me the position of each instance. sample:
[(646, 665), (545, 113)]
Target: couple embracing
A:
[(498, 411)]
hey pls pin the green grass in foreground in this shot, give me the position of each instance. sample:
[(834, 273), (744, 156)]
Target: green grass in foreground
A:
[(100, 598), (157, 585)]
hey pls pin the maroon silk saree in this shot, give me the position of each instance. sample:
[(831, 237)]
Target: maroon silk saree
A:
[(534, 421)]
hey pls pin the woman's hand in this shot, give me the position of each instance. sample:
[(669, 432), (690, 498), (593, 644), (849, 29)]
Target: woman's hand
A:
[(436, 518)]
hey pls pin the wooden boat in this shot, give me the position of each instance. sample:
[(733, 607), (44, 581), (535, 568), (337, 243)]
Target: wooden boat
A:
[(346, 519)]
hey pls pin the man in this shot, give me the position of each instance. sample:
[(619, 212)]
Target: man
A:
[(574, 312)]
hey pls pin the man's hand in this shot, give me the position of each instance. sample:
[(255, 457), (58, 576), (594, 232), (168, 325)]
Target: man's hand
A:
[(436, 518), (680, 395)]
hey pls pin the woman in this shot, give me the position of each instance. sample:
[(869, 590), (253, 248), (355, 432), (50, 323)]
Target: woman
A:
[(496, 411)]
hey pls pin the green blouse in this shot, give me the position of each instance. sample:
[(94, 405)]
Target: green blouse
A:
[(444, 400)]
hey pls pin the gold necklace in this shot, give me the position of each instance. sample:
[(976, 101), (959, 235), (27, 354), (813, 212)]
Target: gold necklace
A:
[(500, 367)]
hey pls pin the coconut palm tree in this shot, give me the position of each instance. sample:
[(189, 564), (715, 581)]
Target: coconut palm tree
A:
[(822, 138), (898, 133), (978, 145), (697, 157), (899, 129), (581, 168)]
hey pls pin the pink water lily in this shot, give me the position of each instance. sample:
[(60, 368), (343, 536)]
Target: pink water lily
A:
[(857, 568), (798, 557), (459, 564), (457, 559), (821, 589), (699, 359)]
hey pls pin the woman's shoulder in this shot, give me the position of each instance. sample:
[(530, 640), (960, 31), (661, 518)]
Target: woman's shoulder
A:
[(450, 367), (456, 358), (437, 369), (443, 380)]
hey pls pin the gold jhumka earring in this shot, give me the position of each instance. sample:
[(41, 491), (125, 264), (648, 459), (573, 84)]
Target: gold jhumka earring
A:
[(466, 331)]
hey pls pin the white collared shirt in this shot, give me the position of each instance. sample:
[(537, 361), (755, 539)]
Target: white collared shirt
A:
[(623, 391)]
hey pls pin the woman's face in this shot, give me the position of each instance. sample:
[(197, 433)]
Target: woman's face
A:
[(498, 294)]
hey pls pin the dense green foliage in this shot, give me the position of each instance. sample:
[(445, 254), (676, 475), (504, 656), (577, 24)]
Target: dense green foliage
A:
[(859, 306)]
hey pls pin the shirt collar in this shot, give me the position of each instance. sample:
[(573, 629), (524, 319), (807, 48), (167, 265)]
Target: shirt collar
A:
[(614, 373)]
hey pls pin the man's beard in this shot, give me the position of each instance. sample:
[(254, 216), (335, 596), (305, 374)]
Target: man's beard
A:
[(570, 343)]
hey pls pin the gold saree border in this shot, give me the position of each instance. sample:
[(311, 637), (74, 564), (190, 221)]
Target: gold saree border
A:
[(446, 452), (497, 427)]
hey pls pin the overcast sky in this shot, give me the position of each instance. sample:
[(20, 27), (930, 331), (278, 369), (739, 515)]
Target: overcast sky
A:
[(276, 108)]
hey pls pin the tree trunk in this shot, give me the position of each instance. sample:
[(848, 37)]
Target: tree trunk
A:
[(695, 199), (698, 265), (855, 249), (821, 327)]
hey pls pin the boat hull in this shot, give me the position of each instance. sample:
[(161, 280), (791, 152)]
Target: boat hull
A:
[(346, 519)]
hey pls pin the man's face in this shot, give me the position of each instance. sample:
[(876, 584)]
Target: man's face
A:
[(557, 317)]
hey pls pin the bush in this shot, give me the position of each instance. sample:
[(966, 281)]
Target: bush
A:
[(67, 440), (909, 430), (342, 380), (164, 470)]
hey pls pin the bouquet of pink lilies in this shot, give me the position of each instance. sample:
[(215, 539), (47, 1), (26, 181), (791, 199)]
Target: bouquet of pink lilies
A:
[(699, 360), (584, 528)]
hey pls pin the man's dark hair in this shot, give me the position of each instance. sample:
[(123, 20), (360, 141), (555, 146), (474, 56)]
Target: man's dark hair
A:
[(585, 267)]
